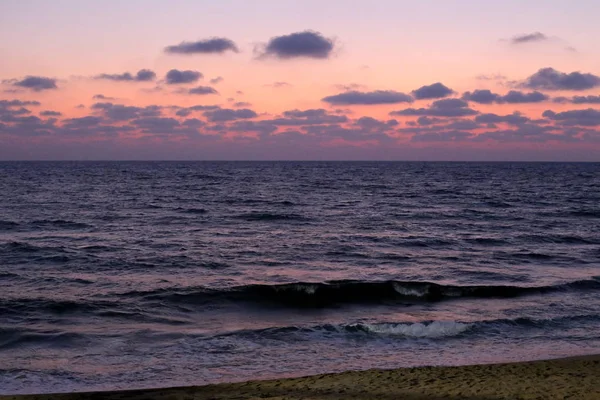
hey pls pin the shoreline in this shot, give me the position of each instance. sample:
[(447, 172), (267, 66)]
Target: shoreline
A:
[(572, 377)]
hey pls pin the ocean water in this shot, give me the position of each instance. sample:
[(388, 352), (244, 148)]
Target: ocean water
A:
[(133, 275)]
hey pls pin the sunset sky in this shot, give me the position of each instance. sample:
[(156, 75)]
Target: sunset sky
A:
[(299, 80)]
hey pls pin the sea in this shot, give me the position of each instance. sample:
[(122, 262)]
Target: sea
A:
[(125, 275)]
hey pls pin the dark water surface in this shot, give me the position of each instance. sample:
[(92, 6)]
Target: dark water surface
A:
[(129, 275)]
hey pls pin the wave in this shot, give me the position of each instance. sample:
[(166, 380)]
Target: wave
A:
[(271, 217), (11, 338), (21, 247), (192, 210), (585, 213), (424, 329), (22, 306), (8, 225), (319, 295), (60, 223)]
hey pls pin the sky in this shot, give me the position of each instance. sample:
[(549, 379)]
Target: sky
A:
[(299, 80)]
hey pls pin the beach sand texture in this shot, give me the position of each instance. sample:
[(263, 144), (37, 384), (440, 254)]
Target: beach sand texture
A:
[(569, 378)]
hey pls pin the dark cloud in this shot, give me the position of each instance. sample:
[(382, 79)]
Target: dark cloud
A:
[(528, 38), (551, 79), (463, 125), (120, 112), (368, 98), (434, 91), (372, 124), (427, 121), (156, 125), (226, 114), (83, 122), (50, 113), (175, 76), (523, 133), (449, 136), (242, 104), (10, 114), (216, 80), (481, 96), (589, 117), (440, 108), (513, 119), (143, 75), (18, 103), (202, 90), (204, 108), (184, 112), (359, 132), (193, 123), (513, 97), (578, 100), (36, 83), (213, 45), (305, 113), (300, 44)]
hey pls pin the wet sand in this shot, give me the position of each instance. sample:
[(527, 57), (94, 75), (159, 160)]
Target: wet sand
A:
[(568, 378)]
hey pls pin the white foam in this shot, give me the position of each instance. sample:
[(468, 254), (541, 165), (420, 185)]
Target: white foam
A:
[(415, 292), (436, 329), (306, 288)]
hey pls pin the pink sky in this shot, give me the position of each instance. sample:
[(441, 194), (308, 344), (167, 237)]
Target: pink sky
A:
[(314, 80)]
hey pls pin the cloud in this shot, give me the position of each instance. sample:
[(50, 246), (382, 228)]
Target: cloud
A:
[(513, 97), (202, 90), (528, 38), (512, 119), (372, 124), (484, 96), (50, 113), (368, 98), (578, 100), (440, 108), (120, 112), (241, 104), (102, 97), (434, 91), (216, 80), (492, 77), (427, 121), (143, 75), (589, 117), (278, 85), (463, 125), (308, 44), (308, 117), (176, 77), (226, 114), (35, 83), (17, 103), (449, 136), (83, 122), (156, 125), (551, 79), (213, 45), (349, 87)]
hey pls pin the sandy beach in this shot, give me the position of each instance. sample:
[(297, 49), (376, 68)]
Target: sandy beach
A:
[(568, 378)]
